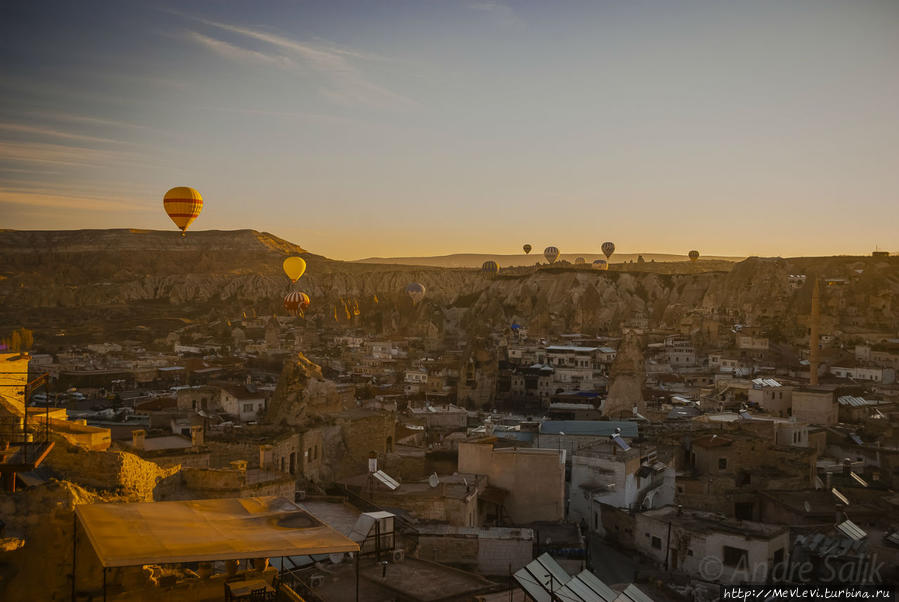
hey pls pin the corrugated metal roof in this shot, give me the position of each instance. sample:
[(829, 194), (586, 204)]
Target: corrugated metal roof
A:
[(855, 402), (765, 382)]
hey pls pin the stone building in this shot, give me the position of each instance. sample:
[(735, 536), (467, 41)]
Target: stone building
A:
[(533, 480), (815, 406)]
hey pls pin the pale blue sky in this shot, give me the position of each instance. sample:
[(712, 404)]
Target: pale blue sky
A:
[(428, 127)]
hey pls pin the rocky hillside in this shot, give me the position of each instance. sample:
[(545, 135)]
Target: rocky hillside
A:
[(154, 280)]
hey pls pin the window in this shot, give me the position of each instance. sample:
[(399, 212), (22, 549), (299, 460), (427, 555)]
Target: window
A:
[(743, 510), (689, 552), (722, 463), (778, 557), (735, 556), (657, 543), (247, 408)]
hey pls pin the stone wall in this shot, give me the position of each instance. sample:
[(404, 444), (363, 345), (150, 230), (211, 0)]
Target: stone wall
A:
[(457, 549), (110, 470), (43, 516)]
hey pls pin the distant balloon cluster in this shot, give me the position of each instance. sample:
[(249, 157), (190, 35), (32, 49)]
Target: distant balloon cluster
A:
[(183, 205)]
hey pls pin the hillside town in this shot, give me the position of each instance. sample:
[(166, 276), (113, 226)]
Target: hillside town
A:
[(633, 463)]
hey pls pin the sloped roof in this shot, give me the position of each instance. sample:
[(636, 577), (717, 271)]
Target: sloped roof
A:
[(205, 530)]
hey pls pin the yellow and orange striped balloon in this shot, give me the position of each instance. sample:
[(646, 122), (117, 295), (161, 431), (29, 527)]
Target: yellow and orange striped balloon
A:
[(183, 204)]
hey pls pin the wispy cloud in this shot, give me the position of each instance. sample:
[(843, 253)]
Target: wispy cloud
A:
[(86, 119), (238, 53), (500, 11), (345, 82), (70, 155), (41, 131), (37, 198)]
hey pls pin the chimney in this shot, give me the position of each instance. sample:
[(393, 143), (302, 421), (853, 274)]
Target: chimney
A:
[(240, 465), (814, 334), (137, 438), (265, 456), (196, 435)]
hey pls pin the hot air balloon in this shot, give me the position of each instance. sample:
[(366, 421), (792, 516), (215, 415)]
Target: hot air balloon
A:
[(693, 255), (490, 268), (296, 303), (416, 292), (607, 249), (294, 267), (183, 204), (527, 249), (579, 261), (551, 254), (600, 264)]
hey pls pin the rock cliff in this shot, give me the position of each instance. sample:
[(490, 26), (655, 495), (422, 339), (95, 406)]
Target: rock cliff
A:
[(158, 280)]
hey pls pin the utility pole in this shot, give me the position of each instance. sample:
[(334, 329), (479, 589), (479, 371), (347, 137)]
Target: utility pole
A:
[(814, 334)]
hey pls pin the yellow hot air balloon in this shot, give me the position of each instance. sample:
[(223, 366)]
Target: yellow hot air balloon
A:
[(183, 204), (294, 267)]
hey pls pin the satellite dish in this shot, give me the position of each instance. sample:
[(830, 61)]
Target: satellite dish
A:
[(433, 480), (336, 558)]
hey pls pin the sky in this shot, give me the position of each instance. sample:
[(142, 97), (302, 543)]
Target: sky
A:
[(429, 127)]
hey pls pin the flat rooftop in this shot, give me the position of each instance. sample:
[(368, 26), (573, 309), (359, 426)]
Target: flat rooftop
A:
[(411, 579), (709, 522)]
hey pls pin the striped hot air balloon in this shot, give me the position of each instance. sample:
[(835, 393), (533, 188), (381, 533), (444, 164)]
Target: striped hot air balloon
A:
[(296, 303), (693, 255), (490, 268), (527, 249), (600, 264), (579, 261), (183, 205), (551, 254)]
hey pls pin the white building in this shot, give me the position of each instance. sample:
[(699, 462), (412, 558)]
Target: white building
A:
[(710, 547), (886, 376), (629, 479), (771, 396)]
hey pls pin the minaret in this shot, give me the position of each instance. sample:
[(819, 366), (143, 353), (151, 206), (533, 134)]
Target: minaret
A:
[(814, 334)]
